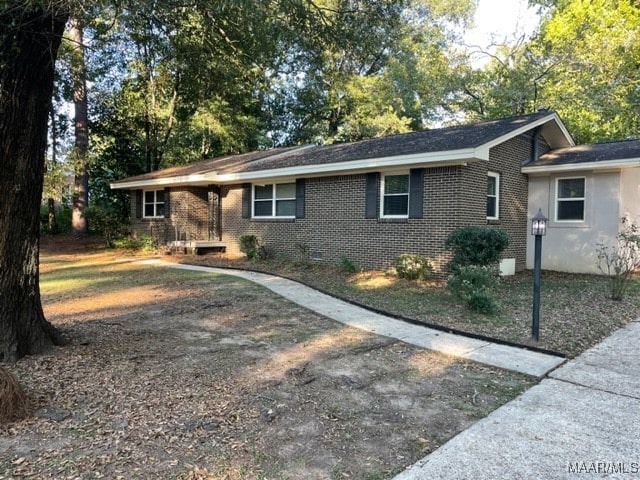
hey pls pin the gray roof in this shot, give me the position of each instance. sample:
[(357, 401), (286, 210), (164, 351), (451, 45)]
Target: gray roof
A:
[(591, 153), (459, 137)]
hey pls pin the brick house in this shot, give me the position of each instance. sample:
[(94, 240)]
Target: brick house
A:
[(368, 201)]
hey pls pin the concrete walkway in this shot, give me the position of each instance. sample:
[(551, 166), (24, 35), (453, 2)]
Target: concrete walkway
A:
[(580, 422), (497, 355)]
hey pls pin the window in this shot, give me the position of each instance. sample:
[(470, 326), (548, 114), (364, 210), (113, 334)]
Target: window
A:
[(395, 196), (153, 203), (493, 196), (274, 200), (570, 199)]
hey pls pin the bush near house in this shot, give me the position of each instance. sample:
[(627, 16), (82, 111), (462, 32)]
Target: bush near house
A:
[(474, 245), (476, 252), (412, 266), (620, 260)]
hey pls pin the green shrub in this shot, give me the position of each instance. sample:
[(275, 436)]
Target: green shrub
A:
[(146, 243), (250, 246), (106, 220), (412, 266), (482, 301), (346, 264), (475, 245), (473, 285)]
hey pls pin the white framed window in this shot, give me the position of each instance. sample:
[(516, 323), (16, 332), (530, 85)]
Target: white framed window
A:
[(274, 200), (570, 199), (153, 204), (493, 196), (394, 200)]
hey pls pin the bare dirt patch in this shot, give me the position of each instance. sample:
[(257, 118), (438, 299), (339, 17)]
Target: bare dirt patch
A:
[(175, 374)]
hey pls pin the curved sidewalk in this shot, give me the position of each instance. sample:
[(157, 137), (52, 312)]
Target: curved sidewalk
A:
[(497, 355)]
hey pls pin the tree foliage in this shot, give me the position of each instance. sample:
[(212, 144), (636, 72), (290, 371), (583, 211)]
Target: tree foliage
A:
[(583, 63)]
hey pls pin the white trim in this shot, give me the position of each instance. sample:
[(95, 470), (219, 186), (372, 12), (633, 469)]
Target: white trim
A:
[(583, 199), (495, 175), (155, 203), (530, 125), (382, 194), (274, 200), (576, 167), (433, 159)]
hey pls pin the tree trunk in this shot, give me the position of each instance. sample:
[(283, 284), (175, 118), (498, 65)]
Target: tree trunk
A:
[(29, 41), (81, 182)]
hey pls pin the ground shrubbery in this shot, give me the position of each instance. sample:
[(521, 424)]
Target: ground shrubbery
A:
[(474, 273), (413, 266)]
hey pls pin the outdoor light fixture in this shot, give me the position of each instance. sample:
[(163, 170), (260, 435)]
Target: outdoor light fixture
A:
[(538, 229), (539, 224)]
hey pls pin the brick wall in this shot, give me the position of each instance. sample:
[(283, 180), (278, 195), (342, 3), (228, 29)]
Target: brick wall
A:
[(187, 217), (335, 223)]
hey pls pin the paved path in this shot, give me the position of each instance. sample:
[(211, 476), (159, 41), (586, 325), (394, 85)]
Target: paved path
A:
[(580, 422), (497, 355)]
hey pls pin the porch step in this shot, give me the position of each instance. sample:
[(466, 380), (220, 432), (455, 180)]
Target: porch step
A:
[(193, 246)]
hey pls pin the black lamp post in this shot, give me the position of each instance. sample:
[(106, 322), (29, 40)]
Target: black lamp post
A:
[(538, 229)]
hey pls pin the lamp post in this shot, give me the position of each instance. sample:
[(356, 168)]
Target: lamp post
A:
[(538, 229)]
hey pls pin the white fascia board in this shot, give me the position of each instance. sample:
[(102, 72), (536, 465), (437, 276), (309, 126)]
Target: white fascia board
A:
[(161, 182), (576, 167), (525, 128), (450, 157)]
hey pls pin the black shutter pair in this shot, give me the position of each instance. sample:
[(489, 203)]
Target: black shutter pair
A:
[(416, 193), (300, 192)]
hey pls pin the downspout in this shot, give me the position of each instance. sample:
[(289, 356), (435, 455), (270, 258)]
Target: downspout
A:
[(535, 145)]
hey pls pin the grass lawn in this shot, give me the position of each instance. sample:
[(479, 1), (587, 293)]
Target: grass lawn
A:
[(576, 312)]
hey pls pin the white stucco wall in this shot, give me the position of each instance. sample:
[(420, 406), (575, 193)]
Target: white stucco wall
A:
[(571, 246), (630, 193)]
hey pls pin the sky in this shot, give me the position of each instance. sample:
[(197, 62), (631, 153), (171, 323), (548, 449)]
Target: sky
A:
[(501, 20)]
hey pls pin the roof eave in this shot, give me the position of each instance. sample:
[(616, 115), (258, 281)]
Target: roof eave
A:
[(575, 167), (434, 159)]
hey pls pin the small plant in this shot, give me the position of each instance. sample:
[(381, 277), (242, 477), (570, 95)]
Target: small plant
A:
[(346, 264), (412, 266), (475, 245), (145, 242), (620, 260), (473, 285), (250, 246)]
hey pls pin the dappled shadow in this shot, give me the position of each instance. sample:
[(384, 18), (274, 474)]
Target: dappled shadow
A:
[(171, 369)]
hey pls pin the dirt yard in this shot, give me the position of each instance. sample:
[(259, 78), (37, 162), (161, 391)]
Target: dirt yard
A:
[(174, 374)]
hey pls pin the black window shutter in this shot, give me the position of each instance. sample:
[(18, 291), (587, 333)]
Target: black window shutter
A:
[(246, 200), (371, 196), (416, 192), (139, 199), (300, 198), (167, 203)]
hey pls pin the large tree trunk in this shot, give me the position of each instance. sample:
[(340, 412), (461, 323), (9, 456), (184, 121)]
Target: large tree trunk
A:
[(81, 182), (29, 41)]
